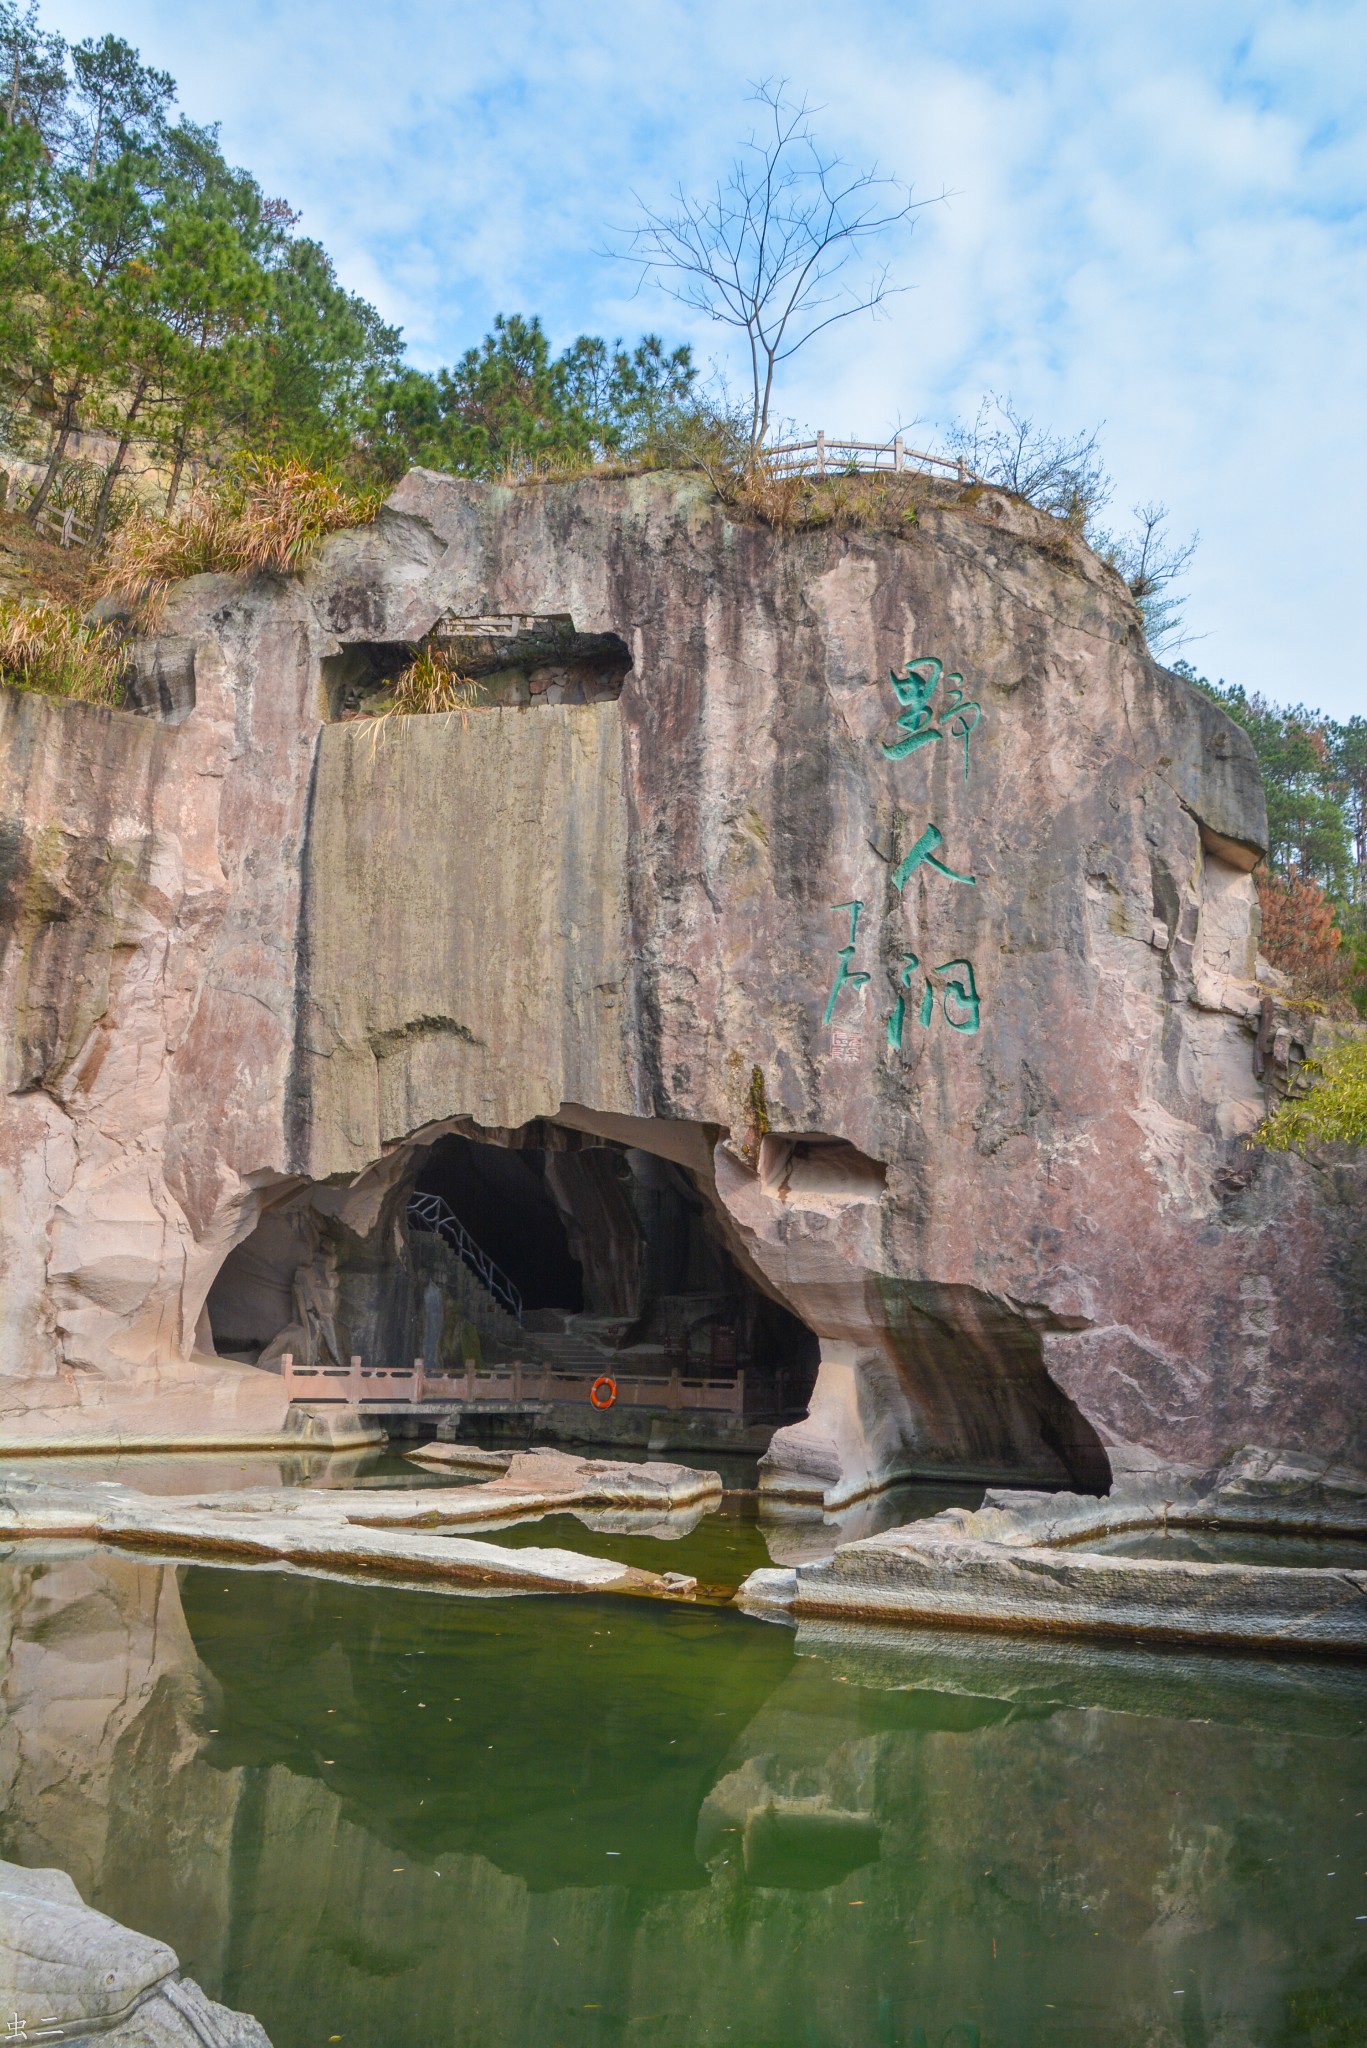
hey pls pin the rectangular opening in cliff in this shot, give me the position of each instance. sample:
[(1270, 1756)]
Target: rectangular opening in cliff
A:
[(509, 659)]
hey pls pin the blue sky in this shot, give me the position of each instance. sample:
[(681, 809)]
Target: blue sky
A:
[(1158, 220)]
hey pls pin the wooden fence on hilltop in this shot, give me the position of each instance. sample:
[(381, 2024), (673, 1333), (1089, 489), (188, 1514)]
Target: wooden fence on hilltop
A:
[(826, 456)]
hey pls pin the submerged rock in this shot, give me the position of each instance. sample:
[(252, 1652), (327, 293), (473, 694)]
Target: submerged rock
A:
[(535, 1482), (65, 1968)]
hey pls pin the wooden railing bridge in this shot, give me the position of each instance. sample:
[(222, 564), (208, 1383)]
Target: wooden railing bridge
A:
[(393, 1386)]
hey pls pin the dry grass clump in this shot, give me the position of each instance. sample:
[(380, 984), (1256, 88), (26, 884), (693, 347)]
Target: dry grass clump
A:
[(432, 682), (258, 514), (50, 648), (749, 482), (805, 504)]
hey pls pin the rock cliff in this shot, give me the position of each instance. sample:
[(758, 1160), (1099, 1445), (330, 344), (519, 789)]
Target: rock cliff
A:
[(876, 879)]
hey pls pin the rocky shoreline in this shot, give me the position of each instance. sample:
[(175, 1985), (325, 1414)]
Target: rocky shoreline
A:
[(402, 1537), (1034, 1563), (68, 1973)]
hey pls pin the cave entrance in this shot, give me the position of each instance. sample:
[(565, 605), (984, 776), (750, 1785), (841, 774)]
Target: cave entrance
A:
[(556, 1249), (508, 659), (579, 1252), (500, 1199)]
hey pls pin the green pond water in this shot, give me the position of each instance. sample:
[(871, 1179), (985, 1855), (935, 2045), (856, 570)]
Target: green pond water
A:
[(396, 1819), (723, 1546)]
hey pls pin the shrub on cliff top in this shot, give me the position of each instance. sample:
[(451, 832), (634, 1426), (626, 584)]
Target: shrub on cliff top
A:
[(1335, 1110), (259, 513), (51, 648), (1301, 936)]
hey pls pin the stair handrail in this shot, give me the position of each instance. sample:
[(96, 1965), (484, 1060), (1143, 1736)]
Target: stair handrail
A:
[(434, 1213)]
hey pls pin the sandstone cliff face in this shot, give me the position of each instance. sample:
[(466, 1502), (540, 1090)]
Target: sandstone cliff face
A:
[(898, 896)]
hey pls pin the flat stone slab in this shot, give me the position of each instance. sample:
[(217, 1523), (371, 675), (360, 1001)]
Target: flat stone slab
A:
[(544, 1481), (353, 1532), (1022, 1563), (66, 1969), (229, 1408), (460, 1457)]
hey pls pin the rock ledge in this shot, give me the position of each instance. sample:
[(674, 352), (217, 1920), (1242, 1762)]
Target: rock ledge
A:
[(1022, 1563)]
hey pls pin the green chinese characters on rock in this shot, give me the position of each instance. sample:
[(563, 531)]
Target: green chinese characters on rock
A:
[(921, 721), (960, 1002), (924, 850), (952, 982), (935, 706), (845, 976)]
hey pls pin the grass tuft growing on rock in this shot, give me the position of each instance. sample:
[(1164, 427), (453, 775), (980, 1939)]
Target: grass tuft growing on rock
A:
[(432, 682), (749, 482), (50, 648), (258, 514), (805, 504), (1335, 1110)]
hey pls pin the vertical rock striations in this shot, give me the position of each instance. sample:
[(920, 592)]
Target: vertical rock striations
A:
[(898, 896)]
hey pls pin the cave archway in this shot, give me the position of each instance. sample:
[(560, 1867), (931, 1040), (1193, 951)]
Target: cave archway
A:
[(499, 1194), (557, 1246)]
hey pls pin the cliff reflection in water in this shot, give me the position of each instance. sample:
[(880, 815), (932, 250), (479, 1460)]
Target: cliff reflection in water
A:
[(413, 1820)]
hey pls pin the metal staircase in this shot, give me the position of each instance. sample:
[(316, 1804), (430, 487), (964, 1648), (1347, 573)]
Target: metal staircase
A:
[(430, 1212)]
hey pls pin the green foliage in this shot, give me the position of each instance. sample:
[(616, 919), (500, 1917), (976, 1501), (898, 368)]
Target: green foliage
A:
[(510, 406), (757, 1101), (1314, 773), (1315, 776), (33, 80), (150, 290), (1335, 1110), (321, 353), (117, 105)]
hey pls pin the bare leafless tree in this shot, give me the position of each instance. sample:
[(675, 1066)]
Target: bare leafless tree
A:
[(1152, 562), (1060, 473), (763, 253), (1064, 474)]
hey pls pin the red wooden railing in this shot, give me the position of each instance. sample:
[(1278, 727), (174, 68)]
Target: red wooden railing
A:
[(358, 1384)]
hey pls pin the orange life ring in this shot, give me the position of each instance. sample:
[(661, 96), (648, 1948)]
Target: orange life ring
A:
[(603, 1381)]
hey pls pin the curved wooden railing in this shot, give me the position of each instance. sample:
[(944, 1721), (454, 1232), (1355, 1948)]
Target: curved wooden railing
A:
[(827, 456)]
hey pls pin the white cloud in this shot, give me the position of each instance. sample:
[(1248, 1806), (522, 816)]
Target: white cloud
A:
[(1158, 221)]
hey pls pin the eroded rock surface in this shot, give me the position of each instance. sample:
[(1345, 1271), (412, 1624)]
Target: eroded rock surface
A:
[(393, 1535), (1044, 1563), (65, 1968), (940, 989)]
